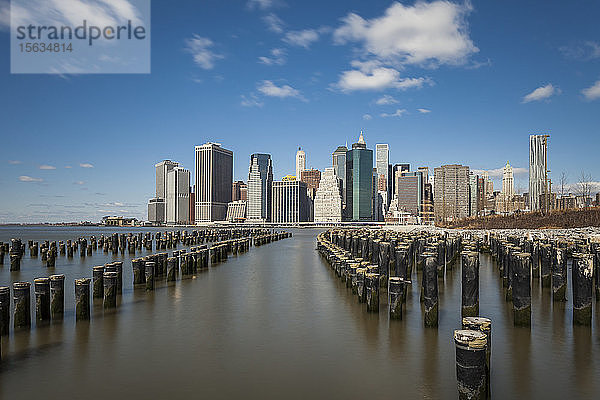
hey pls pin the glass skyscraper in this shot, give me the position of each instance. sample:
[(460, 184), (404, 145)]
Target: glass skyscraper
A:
[(260, 183), (359, 181)]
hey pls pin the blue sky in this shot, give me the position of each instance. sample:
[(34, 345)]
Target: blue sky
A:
[(441, 82)]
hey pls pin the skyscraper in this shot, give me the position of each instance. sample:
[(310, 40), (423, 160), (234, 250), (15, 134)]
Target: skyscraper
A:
[(300, 163), (328, 201), (178, 196), (290, 202), (359, 181), (162, 169), (382, 159), (451, 193), (538, 165), (214, 179), (157, 207), (260, 183), (410, 192), (311, 177), (239, 191), (508, 182), (339, 165)]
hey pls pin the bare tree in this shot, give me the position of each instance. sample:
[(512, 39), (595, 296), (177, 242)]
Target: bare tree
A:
[(563, 184), (584, 187)]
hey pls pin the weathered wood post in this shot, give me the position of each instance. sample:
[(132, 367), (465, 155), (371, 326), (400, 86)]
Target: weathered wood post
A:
[(21, 298), (98, 285), (384, 262), (483, 325), (397, 287), (139, 272), (470, 284), (41, 287), (57, 296), (171, 269), (546, 250), (430, 291), (559, 275), (82, 299), (150, 268), (582, 271), (110, 289), (470, 364), (372, 291), (521, 289), (4, 310), (360, 284)]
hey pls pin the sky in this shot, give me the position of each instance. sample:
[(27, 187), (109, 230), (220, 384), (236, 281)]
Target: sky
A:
[(442, 82)]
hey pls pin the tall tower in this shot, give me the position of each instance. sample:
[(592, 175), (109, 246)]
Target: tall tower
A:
[(339, 166), (300, 162), (178, 196), (359, 181), (538, 169), (214, 180), (260, 183), (508, 183)]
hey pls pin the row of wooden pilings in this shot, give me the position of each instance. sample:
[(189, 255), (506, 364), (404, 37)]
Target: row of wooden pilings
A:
[(48, 251), (523, 260), (369, 261), (107, 281)]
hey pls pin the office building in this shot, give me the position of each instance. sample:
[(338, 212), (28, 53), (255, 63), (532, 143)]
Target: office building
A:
[(300, 162), (260, 184), (311, 177), (396, 171), (359, 181), (178, 196), (239, 191), (409, 192), (157, 207), (538, 166), (290, 202), (473, 196), (339, 165), (382, 160), (451, 193), (214, 181), (157, 210), (328, 200), (192, 206), (236, 211)]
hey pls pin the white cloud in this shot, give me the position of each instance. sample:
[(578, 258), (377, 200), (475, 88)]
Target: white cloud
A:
[(251, 101), (274, 23), (72, 12), (367, 117), (277, 58), (587, 51), (385, 100), (268, 88), (25, 178), (377, 79), (541, 93), (398, 113), (593, 92), (303, 38), (200, 49), (434, 33), (262, 4), (86, 165), (68, 167), (497, 172), (47, 167), (14, 162), (423, 110), (79, 183)]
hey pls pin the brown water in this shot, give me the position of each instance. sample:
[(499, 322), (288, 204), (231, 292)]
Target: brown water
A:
[(276, 323)]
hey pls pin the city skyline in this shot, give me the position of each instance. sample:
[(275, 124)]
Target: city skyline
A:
[(307, 82)]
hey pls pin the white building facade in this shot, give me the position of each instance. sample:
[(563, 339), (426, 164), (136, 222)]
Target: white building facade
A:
[(328, 200), (178, 196)]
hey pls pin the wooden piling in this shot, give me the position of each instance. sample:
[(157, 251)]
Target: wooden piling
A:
[(22, 310), (41, 287), (582, 271), (110, 289), (57, 296), (430, 291), (471, 364), (82, 299), (470, 284)]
